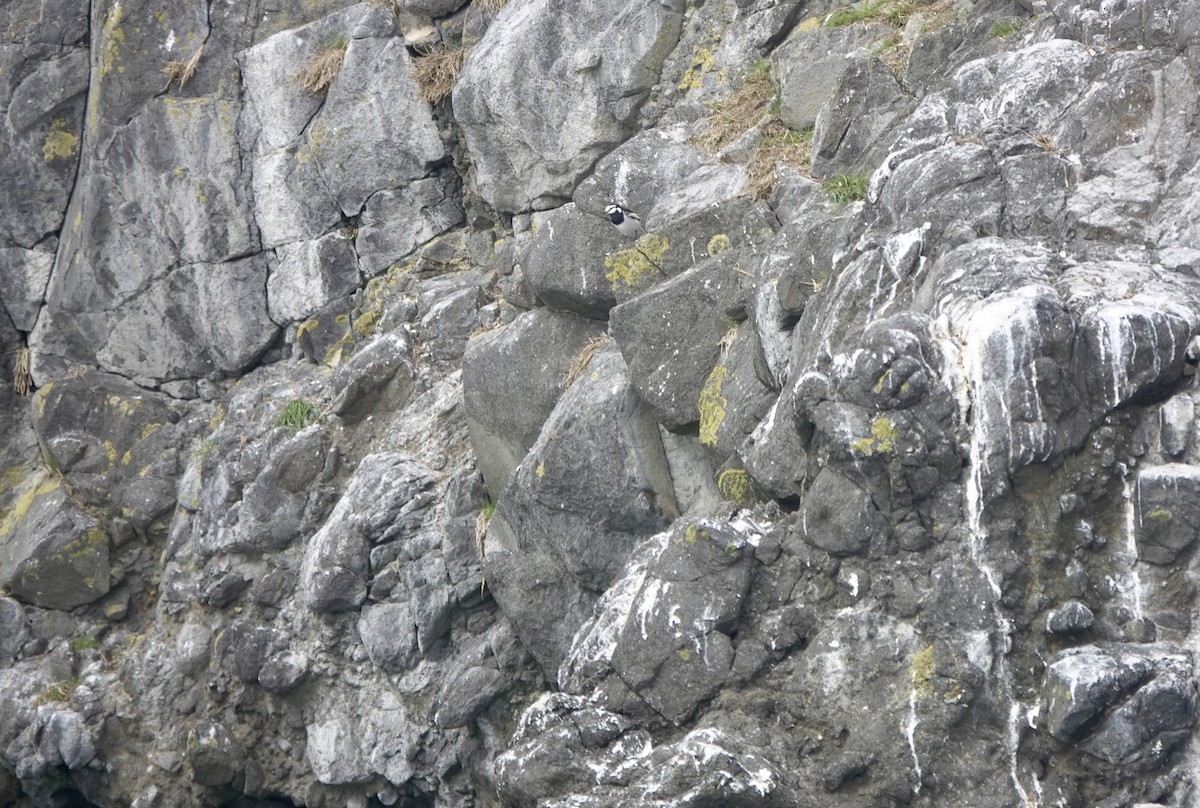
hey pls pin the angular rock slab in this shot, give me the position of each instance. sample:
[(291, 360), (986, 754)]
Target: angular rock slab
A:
[(1082, 682), (40, 139), (373, 132), (118, 444), (52, 554), (535, 126), (333, 576), (564, 260), (525, 361), (1168, 508), (306, 276), (671, 336), (595, 483), (664, 627)]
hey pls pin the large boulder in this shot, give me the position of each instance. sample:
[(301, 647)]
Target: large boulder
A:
[(525, 361), (671, 336), (536, 126), (595, 483)]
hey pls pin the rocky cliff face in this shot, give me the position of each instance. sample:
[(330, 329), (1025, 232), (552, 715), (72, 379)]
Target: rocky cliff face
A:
[(353, 458)]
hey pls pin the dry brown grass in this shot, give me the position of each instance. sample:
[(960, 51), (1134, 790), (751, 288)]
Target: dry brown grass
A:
[(1045, 142), (732, 117), (492, 6), (320, 70), (582, 360), (180, 71), (22, 381), (754, 105), (436, 72)]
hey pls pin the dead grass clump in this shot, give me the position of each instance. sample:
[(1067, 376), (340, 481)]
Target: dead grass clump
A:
[(320, 70), (180, 71), (731, 117), (778, 145), (22, 380), (492, 6), (755, 104), (436, 72), (582, 360)]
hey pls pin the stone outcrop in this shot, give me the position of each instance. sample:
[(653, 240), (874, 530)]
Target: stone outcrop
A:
[(349, 456)]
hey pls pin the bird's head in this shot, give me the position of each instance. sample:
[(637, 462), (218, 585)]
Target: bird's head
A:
[(613, 208)]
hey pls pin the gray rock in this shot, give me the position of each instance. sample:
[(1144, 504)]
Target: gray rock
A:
[(333, 752), (117, 444), (533, 156), (192, 648), (544, 605), (214, 755), (839, 517), (1083, 682), (396, 223), (596, 482), (671, 336), (334, 572), (24, 275), (44, 99), (663, 628), (527, 359), (466, 695), (54, 555), (1143, 731), (306, 276), (14, 630), (1168, 519), (389, 633), (855, 125), (1175, 425), (565, 257), (373, 131), (244, 647), (448, 323), (1072, 617), (809, 65), (378, 378), (283, 672), (284, 503)]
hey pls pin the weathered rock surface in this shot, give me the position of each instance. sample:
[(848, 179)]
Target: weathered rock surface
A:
[(350, 457)]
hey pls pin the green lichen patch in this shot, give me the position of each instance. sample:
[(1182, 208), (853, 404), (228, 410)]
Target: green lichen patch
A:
[(712, 405), (635, 267), (882, 439), (112, 37), (39, 486), (60, 142), (718, 244), (921, 672), (735, 486)]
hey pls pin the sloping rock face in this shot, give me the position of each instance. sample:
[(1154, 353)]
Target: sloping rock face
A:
[(353, 458)]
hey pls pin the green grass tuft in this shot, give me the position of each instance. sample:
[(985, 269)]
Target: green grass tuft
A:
[(297, 415), (847, 188), (85, 643), (1003, 28)]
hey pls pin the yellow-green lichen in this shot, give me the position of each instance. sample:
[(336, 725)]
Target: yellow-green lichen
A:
[(703, 59), (685, 654), (112, 37), (719, 244), (921, 672), (33, 489), (60, 143), (540, 471), (712, 405), (882, 439), (694, 533), (734, 485), (633, 267), (1159, 514)]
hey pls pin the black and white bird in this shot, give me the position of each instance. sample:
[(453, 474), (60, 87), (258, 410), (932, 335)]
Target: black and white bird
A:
[(628, 223)]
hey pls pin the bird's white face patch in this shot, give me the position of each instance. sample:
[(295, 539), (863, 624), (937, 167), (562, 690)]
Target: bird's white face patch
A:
[(611, 209)]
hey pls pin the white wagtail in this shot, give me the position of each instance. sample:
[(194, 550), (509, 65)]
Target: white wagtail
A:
[(626, 221)]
